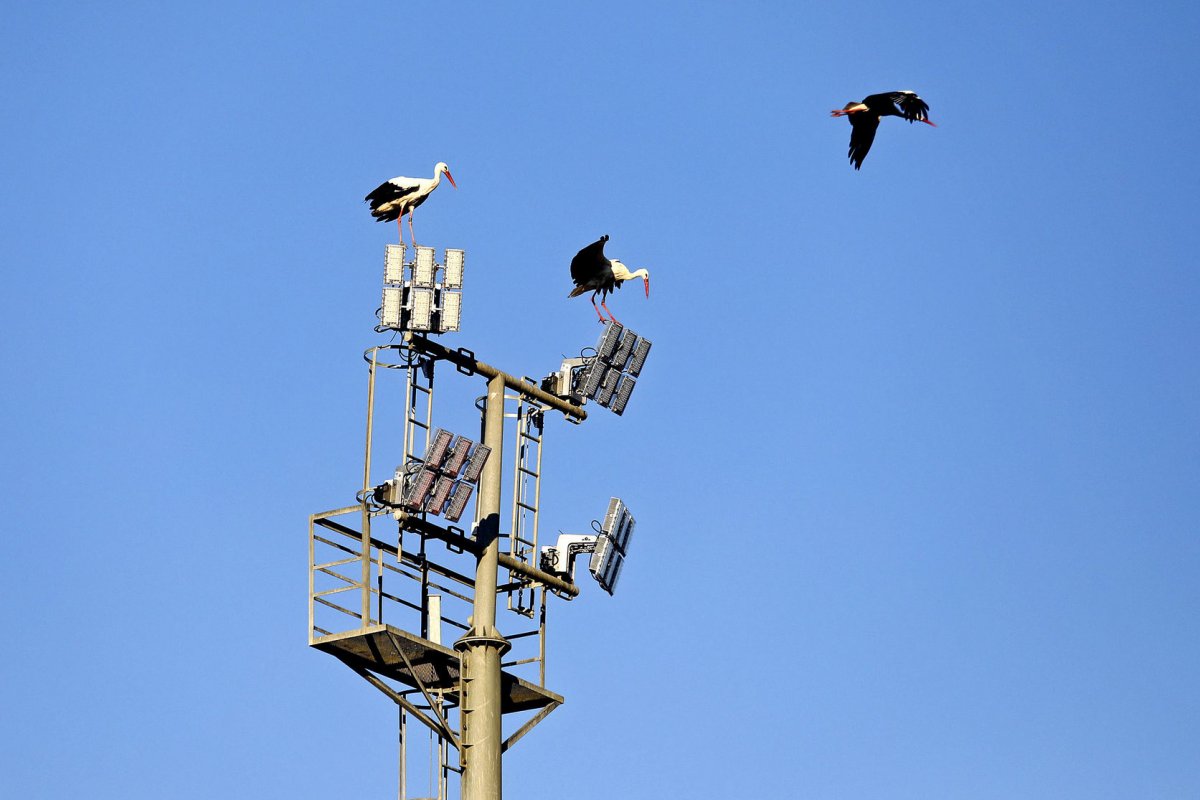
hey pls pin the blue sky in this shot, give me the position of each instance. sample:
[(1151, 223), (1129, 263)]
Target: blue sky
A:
[(915, 460)]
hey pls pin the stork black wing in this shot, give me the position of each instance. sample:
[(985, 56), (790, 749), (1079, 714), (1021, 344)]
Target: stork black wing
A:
[(589, 262), (900, 104), (862, 135), (387, 191), (912, 108)]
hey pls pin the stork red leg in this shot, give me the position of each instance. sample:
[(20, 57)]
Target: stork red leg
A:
[(410, 229), (598, 314), (400, 227), (610, 313)]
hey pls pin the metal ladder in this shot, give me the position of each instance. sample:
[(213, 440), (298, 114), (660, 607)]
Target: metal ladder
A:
[(527, 489)]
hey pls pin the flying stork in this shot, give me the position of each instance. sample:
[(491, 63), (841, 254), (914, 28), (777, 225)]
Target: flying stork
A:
[(864, 118), (594, 273), (392, 199)]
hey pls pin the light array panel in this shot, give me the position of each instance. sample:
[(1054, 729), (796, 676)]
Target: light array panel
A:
[(612, 545), (435, 486), (413, 297), (609, 377)]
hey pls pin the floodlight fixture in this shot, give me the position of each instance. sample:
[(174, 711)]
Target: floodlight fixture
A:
[(591, 379), (620, 398), (605, 392), (393, 306), (438, 445), (609, 340), (624, 350), (441, 492), (393, 263), (639, 357), (458, 501), (424, 268), (476, 462), (450, 318), (618, 524), (418, 489), (455, 260), (422, 309), (606, 565), (458, 456)]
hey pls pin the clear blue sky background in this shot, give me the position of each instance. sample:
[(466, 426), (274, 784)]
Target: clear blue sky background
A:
[(916, 459)]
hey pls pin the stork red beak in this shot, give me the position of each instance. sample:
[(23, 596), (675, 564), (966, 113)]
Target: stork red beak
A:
[(927, 122), (647, 282), (450, 178)]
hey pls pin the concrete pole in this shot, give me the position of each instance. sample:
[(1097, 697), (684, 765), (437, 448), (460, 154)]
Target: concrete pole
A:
[(482, 646)]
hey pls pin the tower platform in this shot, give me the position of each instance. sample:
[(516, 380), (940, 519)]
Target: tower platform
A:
[(382, 650)]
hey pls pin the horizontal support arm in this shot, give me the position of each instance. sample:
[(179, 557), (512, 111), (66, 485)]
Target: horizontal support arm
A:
[(415, 523), (467, 361)]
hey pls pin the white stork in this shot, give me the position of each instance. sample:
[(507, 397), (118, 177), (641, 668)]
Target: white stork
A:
[(392, 199), (593, 272), (864, 118)]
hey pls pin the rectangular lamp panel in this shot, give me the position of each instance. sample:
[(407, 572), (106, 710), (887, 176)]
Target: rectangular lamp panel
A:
[(591, 379), (475, 465), (451, 314), (608, 387), (422, 309), (441, 493), (613, 515), (393, 305), (601, 554), (624, 531), (439, 444), (621, 358), (418, 489), (608, 341), (458, 501), (393, 263), (621, 398), (605, 564), (639, 357), (458, 456), (424, 268), (455, 260)]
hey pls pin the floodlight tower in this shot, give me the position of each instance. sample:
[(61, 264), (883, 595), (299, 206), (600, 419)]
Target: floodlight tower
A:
[(463, 693)]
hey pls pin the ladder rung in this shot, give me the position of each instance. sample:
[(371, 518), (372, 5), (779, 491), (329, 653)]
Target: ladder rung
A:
[(527, 507)]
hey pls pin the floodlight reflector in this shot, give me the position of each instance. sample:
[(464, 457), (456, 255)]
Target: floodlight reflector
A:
[(441, 491), (591, 379), (458, 501), (475, 465), (605, 564), (623, 531), (455, 259), (639, 357), (436, 451), (393, 263), (608, 341), (458, 457), (424, 268), (616, 507), (624, 350), (418, 489), (608, 387), (422, 309), (621, 397), (393, 303), (451, 311)]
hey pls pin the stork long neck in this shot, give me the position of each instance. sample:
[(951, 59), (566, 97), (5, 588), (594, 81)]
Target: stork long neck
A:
[(623, 274)]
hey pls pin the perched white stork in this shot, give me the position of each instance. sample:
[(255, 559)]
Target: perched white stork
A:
[(593, 272), (399, 196)]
